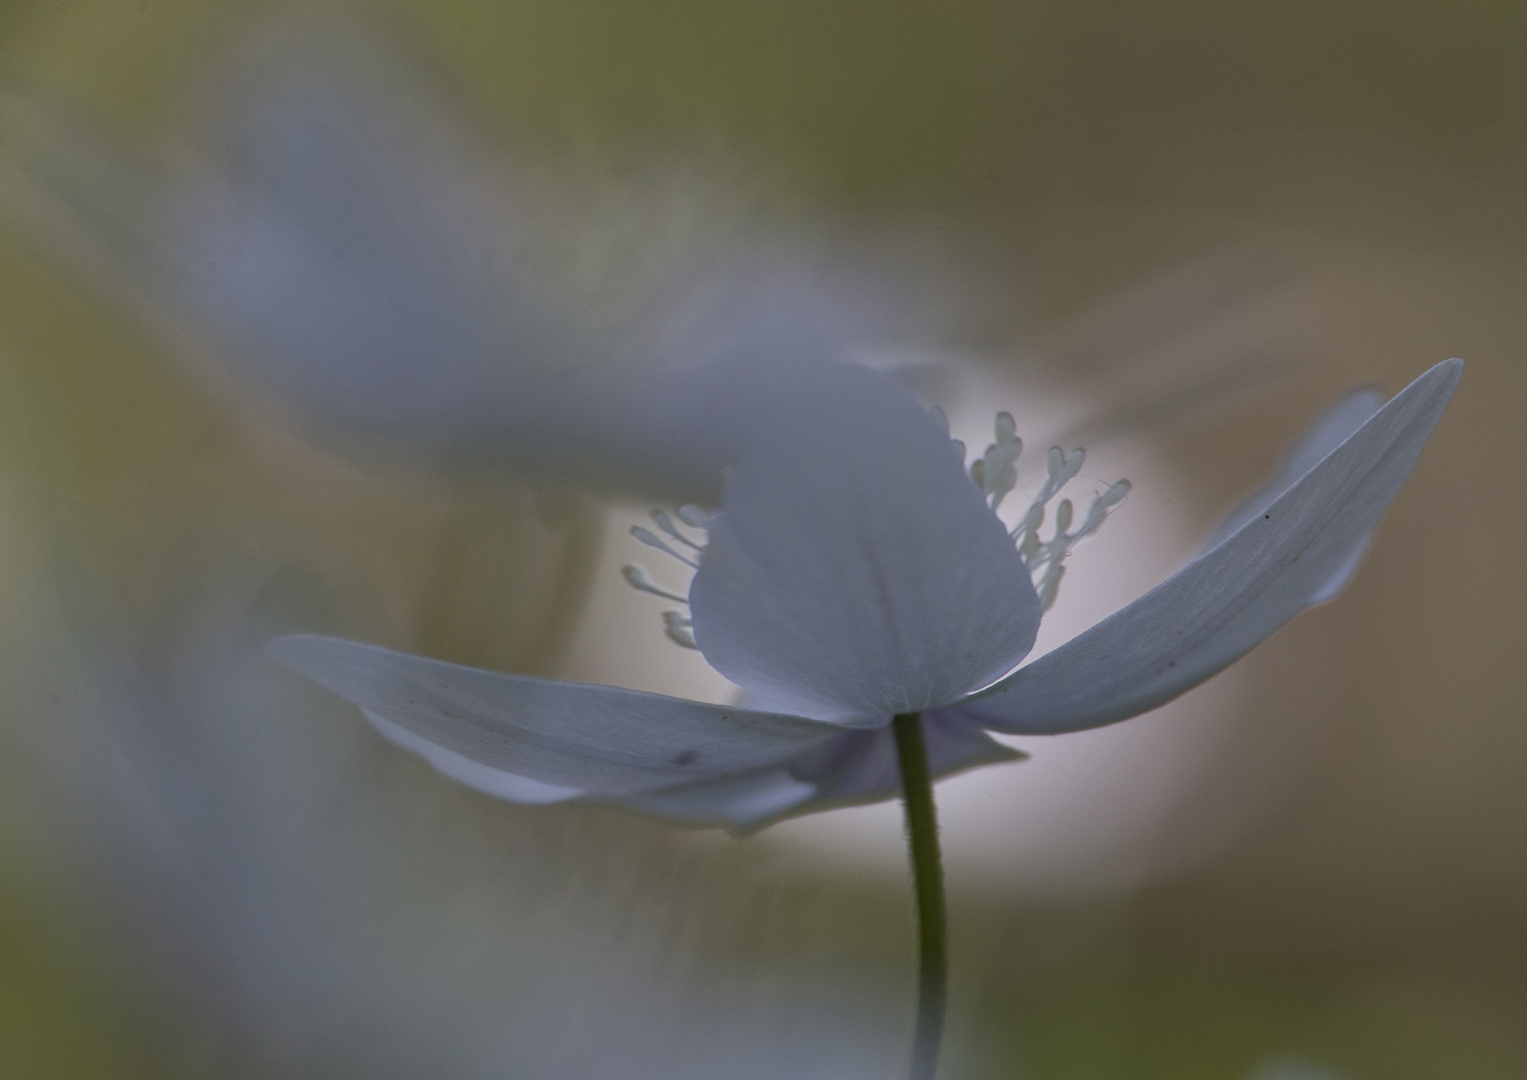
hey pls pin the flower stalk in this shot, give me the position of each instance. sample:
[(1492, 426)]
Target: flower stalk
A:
[(928, 885)]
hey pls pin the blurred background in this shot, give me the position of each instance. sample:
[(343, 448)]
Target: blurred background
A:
[(1170, 233)]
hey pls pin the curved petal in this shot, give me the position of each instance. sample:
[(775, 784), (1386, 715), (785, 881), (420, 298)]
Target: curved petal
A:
[(742, 801), (1333, 428), (598, 739), (473, 774), (1231, 598), (855, 767), (855, 567), (861, 766)]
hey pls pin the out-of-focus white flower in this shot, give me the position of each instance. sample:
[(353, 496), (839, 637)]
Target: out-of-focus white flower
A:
[(345, 248), (854, 573), (283, 913)]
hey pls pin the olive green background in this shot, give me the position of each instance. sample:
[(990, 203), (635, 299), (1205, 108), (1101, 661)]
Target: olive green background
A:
[(1372, 921)]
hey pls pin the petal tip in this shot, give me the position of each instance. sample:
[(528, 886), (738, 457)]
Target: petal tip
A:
[(1450, 369), (302, 653), (286, 650)]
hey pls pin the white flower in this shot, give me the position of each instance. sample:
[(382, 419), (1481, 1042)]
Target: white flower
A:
[(854, 572), (343, 248)]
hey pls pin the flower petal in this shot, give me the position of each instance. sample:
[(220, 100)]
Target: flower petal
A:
[(855, 767), (1231, 598), (597, 739), (1333, 428), (862, 767), (738, 801), (1323, 436), (855, 568), (473, 774)]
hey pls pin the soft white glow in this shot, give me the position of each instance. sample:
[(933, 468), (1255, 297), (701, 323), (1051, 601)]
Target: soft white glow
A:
[(1086, 813)]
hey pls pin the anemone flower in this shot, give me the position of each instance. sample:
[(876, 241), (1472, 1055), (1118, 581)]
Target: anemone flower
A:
[(344, 249), (864, 590)]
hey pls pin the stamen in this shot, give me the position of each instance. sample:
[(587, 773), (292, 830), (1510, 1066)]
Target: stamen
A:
[(638, 578), (1049, 585), (1060, 469), (1052, 554), (1103, 505), (647, 537), (676, 624), (1027, 534), (678, 628), (694, 517), (664, 522), (996, 472)]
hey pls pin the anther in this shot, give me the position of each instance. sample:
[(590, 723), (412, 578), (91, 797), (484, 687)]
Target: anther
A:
[(996, 472), (1049, 587), (694, 517), (1102, 505), (679, 629), (664, 522), (638, 578), (649, 538)]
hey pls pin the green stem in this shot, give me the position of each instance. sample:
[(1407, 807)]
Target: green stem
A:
[(928, 884)]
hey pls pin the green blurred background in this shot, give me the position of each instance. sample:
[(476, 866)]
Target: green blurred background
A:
[(1372, 920)]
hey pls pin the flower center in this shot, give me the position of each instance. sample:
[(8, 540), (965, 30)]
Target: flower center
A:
[(995, 472), (676, 624)]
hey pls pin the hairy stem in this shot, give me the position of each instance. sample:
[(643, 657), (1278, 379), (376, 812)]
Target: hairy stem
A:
[(928, 884)]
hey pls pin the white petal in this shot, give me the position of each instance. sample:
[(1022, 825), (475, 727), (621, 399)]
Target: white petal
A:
[(855, 767), (855, 567), (473, 774), (1323, 436), (739, 801), (861, 766), (598, 739), (1231, 598)]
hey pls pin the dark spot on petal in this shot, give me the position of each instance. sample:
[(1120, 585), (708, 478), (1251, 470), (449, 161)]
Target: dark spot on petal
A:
[(688, 757)]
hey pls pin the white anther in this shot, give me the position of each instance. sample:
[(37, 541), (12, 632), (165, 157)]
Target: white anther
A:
[(638, 578), (679, 629), (996, 471), (664, 522), (694, 517), (1027, 534), (1049, 585), (1102, 505), (649, 538)]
